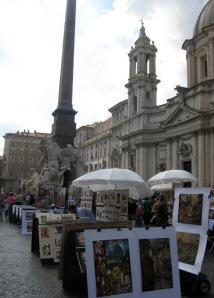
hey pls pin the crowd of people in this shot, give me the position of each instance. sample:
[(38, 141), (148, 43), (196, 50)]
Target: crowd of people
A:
[(152, 211), (12, 199)]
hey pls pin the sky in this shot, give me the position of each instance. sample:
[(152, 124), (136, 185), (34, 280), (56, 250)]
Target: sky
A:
[(31, 36)]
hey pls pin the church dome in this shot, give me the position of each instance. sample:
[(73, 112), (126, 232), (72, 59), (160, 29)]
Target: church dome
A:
[(205, 19)]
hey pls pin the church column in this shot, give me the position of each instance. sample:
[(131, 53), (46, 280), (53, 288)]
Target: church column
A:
[(154, 160), (211, 58), (207, 159), (137, 158), (191, 68), (144, 164), (194, 157), (169, 155), (175, 154), (125, 158), (130, 67), (140, 160), (201, 159), (212, 158)]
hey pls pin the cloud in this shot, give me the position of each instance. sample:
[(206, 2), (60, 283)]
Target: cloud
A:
[(31, 34)]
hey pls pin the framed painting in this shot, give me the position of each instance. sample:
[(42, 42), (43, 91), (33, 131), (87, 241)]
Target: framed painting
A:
[(112, 201), (158, 263), (191, 208), (27, 220), (191, 249), (110, 263)]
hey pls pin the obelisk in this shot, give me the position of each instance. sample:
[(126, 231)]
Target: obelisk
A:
[(64, 127)]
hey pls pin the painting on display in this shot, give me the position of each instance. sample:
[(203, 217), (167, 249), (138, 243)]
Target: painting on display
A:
[(30, 214), (29, 227), (188, 245), (132, 263), (80, 250), (190, 209), (27, 220), (112, 267), (61, 197), (108, 263), (191, 249), (158, 262), (56, 241), (81, 257), (45, 242), (156, 267), (112, 206), (190, 217)]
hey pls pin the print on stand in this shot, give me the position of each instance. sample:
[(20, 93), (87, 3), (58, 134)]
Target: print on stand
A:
[(45, 242), (190, 209), (190, 217), (132, 263), (112, 267), (56, 238), (191, 249), (109, 263), (112, 205), (158, 265), (27, 220)]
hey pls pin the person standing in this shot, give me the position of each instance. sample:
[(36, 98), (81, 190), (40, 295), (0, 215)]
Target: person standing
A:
[(162, 212), (146, 211), (10, 200)]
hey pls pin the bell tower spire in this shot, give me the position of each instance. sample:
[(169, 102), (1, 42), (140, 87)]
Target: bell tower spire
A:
[(64, 127), (142, 85)]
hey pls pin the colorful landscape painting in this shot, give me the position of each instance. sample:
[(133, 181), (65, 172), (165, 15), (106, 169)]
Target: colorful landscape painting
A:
[(156, 267), (188, 245), (112, 267), (190, 209)]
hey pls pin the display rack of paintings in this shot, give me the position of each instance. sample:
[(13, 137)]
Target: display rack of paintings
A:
[(112, 206), (50, 234), (132, 263), (45, 242), (50, 241), (86, 199), (73, 257), (27, 220), (190, 217)]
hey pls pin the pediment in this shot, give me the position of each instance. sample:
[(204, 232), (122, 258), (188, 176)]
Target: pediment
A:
[(181, 114)]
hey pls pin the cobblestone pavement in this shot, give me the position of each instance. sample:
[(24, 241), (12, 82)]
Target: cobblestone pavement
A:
[(21, 272), (23, 276)]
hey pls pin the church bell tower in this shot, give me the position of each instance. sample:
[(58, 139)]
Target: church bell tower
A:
[(142, 85)]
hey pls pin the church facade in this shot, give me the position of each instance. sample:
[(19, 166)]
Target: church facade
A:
[(179, 134)]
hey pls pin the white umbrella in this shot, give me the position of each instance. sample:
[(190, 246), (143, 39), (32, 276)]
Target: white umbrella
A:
[(119, 179), (160, 187), (172, 176)]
